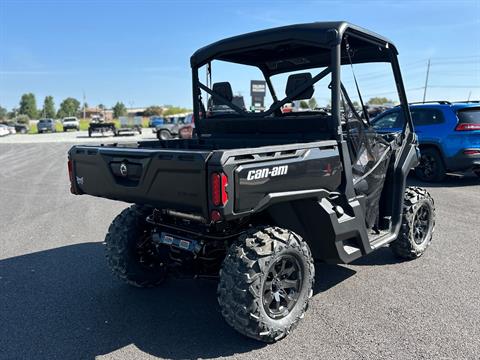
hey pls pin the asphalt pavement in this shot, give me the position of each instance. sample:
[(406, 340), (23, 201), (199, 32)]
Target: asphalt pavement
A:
[(58, 299)]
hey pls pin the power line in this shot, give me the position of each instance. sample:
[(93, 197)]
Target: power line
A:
[(456, 86)]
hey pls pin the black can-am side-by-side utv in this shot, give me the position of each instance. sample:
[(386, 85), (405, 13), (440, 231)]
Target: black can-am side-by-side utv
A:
[(256, 197)]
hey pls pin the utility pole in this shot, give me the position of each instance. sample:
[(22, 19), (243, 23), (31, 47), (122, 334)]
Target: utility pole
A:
[(426, 81), (469, 94), (84, 106)]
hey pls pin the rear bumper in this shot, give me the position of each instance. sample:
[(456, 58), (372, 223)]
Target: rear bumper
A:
[(463, 162), (71, 126)]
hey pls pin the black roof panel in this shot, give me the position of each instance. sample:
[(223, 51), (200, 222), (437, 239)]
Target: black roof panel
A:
[(264, 48)]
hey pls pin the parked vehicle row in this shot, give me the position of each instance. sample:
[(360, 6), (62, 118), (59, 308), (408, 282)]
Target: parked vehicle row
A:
[(4, 130), (15, 127)]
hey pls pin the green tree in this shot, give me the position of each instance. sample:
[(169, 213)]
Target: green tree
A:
[(68, 107), (172, 110), (378, 101), (312, 103), (28, 106), (303, 104), (119, 110), (153, 110), (3, 113), (48, 110), (101, 106), (22, 119)]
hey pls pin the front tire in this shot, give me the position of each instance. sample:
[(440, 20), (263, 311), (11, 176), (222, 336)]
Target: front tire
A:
[(130, 252), (265, 283), (431, 167), (418, 224)]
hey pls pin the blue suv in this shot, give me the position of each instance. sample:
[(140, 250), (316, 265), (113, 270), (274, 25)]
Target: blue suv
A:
[(448, 134)]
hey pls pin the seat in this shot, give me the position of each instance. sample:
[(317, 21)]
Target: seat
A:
[(224, 89), (297, 80)]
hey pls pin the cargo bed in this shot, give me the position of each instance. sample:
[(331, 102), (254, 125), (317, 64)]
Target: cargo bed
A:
[(174, 175)]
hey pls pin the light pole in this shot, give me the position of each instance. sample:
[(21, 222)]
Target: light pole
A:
[(426, 81)]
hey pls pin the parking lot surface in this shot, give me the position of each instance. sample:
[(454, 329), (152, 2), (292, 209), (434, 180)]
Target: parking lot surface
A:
[(73, 137), (58, 299)]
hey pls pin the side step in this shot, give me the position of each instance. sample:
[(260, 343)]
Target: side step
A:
[(351, 238)]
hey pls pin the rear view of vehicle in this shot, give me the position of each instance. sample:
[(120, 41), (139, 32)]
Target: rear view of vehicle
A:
[(98, 125), (46, 125), (464, 146), (258, 194), (129, 125), (70, 123)]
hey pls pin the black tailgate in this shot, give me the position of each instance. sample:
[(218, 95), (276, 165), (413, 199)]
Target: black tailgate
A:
[(167, 179)]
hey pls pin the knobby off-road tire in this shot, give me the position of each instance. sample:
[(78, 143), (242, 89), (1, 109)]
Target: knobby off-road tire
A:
[(418, 224), (251, 278), (130, 252)]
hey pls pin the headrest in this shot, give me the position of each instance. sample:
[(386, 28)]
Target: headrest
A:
[(295, 81), (224, 90)]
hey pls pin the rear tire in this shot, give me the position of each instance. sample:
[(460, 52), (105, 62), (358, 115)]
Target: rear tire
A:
[(130, 252), (431, 167), (265, 283), (418, 224), (165, 135)]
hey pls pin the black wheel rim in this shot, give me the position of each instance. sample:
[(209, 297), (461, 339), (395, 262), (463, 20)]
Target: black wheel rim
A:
[(428, 166), (421, 224), (282, 287)]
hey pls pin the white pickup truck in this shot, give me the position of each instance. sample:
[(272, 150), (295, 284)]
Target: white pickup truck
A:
[(70, 123)]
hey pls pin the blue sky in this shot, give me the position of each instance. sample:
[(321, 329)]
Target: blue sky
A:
[(138, 51)]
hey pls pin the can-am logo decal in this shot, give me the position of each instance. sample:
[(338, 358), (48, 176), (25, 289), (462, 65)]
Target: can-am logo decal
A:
[(266, 172), (123, 169)]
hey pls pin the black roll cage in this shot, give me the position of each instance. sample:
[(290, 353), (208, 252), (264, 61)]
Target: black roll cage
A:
[(337, 88), (276, 105)]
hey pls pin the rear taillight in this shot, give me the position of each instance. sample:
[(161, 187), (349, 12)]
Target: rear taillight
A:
[(471, 152), (219, 183), (467, 127)]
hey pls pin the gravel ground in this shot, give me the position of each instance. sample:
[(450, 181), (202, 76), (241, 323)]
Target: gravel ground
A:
[(59, 301)]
